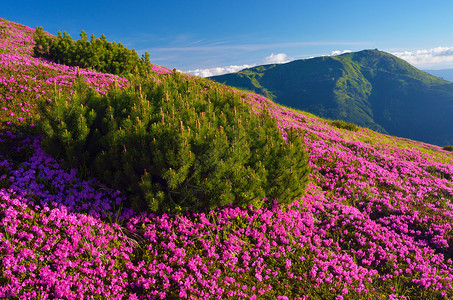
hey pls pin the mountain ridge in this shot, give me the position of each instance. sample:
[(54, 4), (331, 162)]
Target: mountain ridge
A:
[(369, 88)]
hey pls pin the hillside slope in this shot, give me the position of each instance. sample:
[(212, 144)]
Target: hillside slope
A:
[(369, 88), (375, 221)]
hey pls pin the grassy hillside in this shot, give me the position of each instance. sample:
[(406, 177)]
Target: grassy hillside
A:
[(374, 221), (370, 88)]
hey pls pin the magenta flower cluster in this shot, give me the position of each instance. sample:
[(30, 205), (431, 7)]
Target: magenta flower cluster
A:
[(15, 38)]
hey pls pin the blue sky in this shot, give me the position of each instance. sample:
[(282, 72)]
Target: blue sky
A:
[(211, 37)]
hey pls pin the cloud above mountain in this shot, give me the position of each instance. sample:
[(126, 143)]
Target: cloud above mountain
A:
[(339, 52), (271, 59), (428, 58), (279, 58), (218, 70)]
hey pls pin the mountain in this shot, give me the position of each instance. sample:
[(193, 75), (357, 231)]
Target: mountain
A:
[(446, 74), (370, 88)]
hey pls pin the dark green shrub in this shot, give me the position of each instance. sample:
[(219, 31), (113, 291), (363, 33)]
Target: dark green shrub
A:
[(183, 143), (2, 31), (344, 125), (96, 53), (448, 148)]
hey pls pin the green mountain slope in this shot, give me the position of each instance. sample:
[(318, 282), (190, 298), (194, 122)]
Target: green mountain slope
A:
[(370, 88)]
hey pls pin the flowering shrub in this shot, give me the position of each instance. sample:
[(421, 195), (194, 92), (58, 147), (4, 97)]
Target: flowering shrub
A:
[(375, 223)]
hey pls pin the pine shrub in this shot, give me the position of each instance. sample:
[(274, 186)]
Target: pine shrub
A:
[(97, 53), (448, 148), (178, 143), (344, 125)]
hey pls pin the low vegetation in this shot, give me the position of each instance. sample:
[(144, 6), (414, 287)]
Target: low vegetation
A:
[(448, 148), (344, 125)]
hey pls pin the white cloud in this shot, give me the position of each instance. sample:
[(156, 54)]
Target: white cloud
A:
[(218, 70), (279, 58), (271, 59), (339, 52), (439, 57)]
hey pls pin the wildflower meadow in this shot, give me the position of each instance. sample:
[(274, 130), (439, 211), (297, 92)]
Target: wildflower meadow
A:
[(374, 220)]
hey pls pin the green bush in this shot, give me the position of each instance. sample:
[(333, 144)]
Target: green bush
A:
[(183, 143), (448, 148), (96, 54), (344, 125)]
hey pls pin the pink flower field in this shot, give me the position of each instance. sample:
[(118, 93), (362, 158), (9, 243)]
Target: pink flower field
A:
[(375, 221)]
